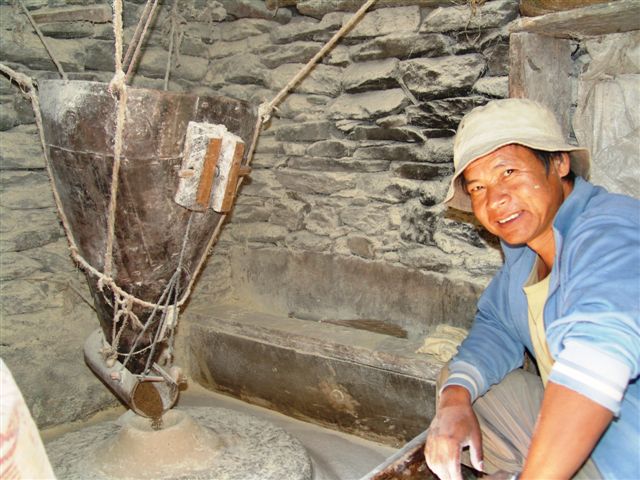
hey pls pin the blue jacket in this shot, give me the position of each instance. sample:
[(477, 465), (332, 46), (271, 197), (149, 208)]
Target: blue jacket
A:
[(592, 318)]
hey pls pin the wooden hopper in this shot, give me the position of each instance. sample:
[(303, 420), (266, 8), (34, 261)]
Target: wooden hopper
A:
[(79, 121)]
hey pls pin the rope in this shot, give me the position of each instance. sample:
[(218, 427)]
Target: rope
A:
[(124, 301), (118, 89), (28, 89), (171, 39), (44, 42), (136, 54), (136, 35), (265, 109)]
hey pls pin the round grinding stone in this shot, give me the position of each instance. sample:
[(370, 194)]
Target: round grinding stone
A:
[(194, 443)]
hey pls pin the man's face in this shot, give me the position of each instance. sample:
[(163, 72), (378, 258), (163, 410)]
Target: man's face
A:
[(513, 197)]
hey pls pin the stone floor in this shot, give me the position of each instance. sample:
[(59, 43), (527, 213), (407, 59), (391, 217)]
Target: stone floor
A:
[(335, 455)]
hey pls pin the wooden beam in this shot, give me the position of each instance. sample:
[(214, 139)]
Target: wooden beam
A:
[(613, 17), (93, 13), (540, 69), (533, 8)]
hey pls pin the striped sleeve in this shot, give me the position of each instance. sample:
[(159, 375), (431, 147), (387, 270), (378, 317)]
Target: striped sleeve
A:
[(592, 373), (465, 375)]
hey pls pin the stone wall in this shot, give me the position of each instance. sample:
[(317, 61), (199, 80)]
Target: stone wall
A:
[(353, 163)]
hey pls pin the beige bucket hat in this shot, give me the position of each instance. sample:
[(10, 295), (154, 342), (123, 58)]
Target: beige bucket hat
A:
[(503, 122)]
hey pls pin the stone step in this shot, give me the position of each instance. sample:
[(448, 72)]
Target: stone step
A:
[(362, 382)]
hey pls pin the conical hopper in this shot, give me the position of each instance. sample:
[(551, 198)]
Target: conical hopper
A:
[(79, 122)]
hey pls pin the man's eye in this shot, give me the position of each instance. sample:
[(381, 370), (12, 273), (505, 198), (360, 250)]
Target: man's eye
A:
[(475, 189), (508, 172)]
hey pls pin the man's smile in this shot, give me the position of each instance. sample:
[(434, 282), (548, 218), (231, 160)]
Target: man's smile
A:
[(511, 217)]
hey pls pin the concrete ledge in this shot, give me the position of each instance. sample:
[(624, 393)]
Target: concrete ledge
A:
[(361, 382)]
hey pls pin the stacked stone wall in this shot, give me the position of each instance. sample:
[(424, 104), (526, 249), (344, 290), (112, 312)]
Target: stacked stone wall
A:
[(354, 162)]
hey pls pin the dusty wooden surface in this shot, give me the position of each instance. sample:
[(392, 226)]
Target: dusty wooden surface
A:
[(533, 8), (613, 17), (540, 69)]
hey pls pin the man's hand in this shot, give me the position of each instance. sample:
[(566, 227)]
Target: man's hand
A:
[(454, 427)]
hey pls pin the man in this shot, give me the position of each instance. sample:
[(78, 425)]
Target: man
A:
[(568, 293)]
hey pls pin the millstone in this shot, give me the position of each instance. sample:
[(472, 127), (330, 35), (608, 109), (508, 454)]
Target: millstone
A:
[(194, 443)]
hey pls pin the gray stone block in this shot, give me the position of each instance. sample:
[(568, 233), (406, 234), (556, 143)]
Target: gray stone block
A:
[(496, 87), (370, 219), (403, 46), (338, 164), (423, 171), (262, 232), (153, 63), (263, 184), (433, 150), (203, 10), (442, 77), (305, 132), (20, 148), (443, 113), (322, 80), (304, 240), (16, 265), (26, 229), (470, 17), (300, 30), (100, 55), (390, 190), (397, 134), (244, 28), (27, 49), (25, 295), (324, 183), (25, 190), (222, 48), (294, 52), (361, 247), (430, 259), (255, 9), (80, 29), (330, 148), (386, 21), (246, 70), (295, 104), (373, 75), (75, 13), (289, 213), (368, 105)]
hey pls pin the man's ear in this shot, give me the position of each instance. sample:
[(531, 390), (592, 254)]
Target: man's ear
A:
[(563, 164)]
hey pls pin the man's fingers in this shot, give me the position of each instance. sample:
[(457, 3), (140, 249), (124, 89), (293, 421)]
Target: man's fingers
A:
[(443, 459), (454, 470), (475, 450), (476, 458)]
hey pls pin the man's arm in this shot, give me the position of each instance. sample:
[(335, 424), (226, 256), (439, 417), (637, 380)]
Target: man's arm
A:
[(568, 428), (455, 426)]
